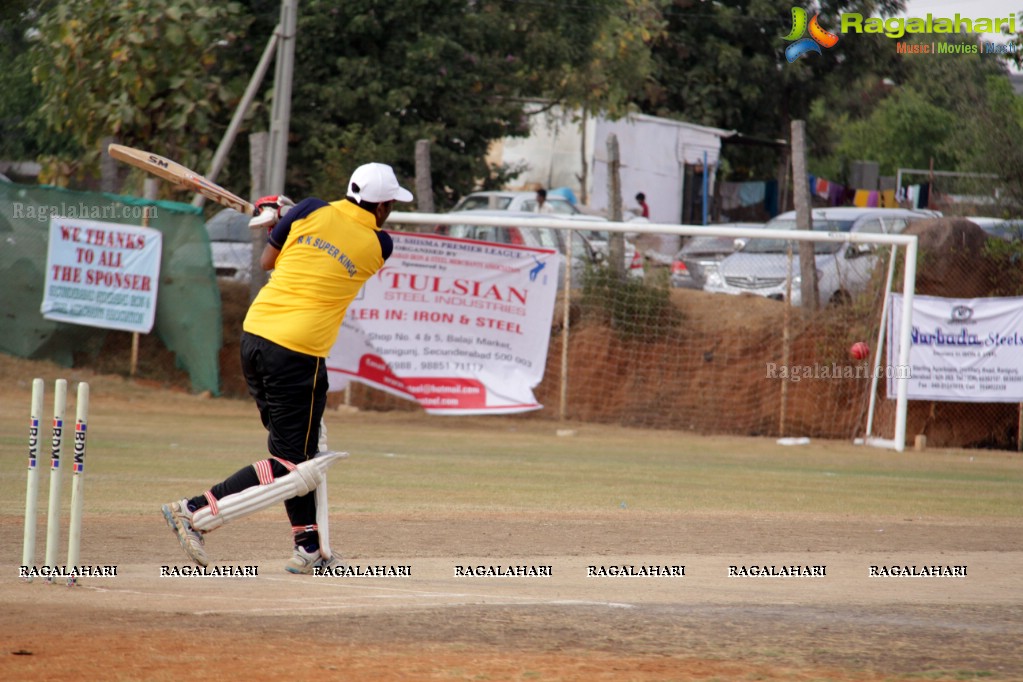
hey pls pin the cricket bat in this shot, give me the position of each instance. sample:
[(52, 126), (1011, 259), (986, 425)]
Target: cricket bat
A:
[(179, 175)]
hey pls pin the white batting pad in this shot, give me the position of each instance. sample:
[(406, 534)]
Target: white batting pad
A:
[(302, 481)]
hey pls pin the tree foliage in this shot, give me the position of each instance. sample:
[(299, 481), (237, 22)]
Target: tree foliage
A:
[(21, 133), (148, 74), (957, 113), (723, 64), (616, 65), (375, 76), (905, 130)]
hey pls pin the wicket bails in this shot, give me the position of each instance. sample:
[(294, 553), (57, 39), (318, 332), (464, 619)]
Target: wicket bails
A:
[(56, 451)]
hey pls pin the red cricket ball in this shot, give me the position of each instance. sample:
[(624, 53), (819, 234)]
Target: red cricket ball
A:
[(859, 351)]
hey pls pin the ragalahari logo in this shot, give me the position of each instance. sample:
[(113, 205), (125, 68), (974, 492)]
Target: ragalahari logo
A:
[(818, 36)]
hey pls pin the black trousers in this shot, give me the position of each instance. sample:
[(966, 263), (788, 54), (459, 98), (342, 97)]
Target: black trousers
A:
[(290, 390)]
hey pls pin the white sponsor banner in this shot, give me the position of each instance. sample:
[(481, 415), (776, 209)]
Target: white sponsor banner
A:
[(102, 274), (963, 350), (460, 326)]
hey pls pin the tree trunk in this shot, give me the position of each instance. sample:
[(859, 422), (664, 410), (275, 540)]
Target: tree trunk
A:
[(804, 221), (424, 180), (616, 241), (258, 143)]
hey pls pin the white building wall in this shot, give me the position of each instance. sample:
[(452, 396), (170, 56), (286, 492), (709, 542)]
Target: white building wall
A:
[(653, 154), (552, 155)]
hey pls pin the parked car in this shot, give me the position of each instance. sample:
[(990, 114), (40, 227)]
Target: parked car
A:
[(700, 255), (762, 266), (583, 254), (1009, 230), (513, 201), (231, 245), (525, 202), (600, 240)]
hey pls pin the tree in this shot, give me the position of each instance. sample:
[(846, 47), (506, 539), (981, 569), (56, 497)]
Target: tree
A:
[(905, 130), (614, 63), (375, 76), (21, 134), (722, 64), (958, 113), (148, 74)]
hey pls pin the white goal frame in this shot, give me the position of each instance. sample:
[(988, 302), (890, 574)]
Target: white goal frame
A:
[(908, 242)]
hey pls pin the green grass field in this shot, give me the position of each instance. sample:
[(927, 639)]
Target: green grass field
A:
[(154, 444)]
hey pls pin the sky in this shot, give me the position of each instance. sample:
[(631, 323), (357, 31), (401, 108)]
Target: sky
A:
[(968, 8)]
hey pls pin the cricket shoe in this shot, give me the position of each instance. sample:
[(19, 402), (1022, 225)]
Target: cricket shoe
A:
[(179, 518), (304, 563)]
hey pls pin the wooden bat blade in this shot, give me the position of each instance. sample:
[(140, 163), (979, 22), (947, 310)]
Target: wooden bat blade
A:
[(177, 174)]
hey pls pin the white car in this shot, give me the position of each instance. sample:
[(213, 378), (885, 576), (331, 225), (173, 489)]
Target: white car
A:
[(231, 245), (513, 201), (525, 202), (1009, 230), (762, 266), (583, 254)]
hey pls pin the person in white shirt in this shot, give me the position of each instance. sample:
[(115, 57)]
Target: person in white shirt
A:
[(541, 202)]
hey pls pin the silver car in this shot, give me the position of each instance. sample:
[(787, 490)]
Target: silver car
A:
[(699, 258), (764, 266), (231, 245), (1009, 230)]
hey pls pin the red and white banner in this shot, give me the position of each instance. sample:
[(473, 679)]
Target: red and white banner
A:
[(460, 326), (102, 274)]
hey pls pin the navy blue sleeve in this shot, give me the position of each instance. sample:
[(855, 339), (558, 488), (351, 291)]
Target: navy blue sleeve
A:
[(279, 234), (386, 243)]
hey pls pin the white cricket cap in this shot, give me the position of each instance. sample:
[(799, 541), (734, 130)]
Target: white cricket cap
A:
[(376, 182)]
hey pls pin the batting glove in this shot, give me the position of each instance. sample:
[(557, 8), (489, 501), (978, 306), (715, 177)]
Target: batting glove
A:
[(268, 210)]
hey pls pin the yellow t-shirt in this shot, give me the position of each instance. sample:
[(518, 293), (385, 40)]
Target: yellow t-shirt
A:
[(327, 256)]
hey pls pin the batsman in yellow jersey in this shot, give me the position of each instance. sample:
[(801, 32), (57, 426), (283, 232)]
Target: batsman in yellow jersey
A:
[(321, 254)]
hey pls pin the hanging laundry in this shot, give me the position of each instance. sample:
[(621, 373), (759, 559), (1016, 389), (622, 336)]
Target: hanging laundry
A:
[(836, 194), (752, 193), (822, 188)]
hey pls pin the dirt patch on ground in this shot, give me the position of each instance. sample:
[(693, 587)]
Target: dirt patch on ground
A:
[(710, 375), (435, 626)]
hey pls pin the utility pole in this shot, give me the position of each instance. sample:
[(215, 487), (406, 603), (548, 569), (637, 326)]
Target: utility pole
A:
[(281, 115), (616, 240), (424, 178), (804, 220)]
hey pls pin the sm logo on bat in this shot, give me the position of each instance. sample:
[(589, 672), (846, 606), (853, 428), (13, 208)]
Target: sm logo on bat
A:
[(162, 163)]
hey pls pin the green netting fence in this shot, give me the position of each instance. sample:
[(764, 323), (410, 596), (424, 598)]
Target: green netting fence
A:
[(188, 312)]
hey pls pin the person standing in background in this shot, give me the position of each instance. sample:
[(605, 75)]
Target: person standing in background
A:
[(644, 210), (541, 202)]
